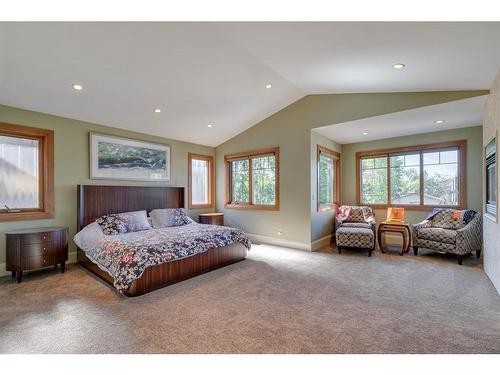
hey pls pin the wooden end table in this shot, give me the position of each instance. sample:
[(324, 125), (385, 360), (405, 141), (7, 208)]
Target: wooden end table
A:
[(395, 227), (214, 218)]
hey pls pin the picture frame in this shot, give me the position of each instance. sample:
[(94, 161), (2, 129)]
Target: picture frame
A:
[(119, 158)]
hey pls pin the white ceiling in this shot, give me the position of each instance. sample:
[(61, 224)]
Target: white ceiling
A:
[(215, 73), (457, 114)]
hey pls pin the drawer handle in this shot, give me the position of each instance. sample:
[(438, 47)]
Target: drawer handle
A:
[(44, 237)]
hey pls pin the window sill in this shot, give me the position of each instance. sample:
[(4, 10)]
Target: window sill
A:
[(409, 207), (251, 207), (491, 217), (200, 206), (327, 208), (27, 215)]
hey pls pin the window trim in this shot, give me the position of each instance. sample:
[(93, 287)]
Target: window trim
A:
[(462, 173), (336, 193), (46, 170), (211, 181), (248, 155), (488, 214)]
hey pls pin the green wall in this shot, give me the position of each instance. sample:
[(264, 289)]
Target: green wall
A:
[(473, 135), (290, 129), (72, 165)]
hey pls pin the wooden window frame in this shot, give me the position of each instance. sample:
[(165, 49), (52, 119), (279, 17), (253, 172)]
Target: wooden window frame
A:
[(46, 172), (211, 181), (228, 159), (336, 193), (462, 173)]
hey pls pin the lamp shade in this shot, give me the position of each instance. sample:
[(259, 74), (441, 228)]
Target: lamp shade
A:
[(396, 214)]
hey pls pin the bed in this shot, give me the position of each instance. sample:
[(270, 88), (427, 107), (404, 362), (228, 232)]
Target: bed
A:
[(95, 201)]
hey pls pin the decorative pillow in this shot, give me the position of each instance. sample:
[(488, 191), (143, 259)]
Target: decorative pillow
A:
[(169, 217), (89, 236), (124, 222), (112, 224)]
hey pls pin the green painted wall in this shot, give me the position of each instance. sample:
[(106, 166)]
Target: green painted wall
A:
[(72, 165), (290, 129), (473, 135)]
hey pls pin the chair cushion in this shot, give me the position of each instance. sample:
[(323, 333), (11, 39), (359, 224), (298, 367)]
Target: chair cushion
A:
[(355, 225), (444, 219), (355, 237), (438, 235), (437, 246)]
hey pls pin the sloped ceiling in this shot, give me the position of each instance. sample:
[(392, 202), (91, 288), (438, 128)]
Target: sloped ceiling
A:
[(216, 73)]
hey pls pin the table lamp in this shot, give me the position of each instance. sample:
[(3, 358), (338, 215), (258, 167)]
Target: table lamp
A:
[(396, 214)]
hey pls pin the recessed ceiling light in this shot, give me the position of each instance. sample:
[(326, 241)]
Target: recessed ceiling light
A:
[(439, 121), (77, 87), (365, 133), (157, 110), (209, 125), (398, 66), (268, 86)]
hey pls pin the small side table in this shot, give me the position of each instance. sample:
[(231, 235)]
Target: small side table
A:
[(395, 227), (214, 218), (30, 249)]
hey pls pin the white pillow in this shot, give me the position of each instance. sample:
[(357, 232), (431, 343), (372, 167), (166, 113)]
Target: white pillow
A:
[(89, 237), (169, 217)]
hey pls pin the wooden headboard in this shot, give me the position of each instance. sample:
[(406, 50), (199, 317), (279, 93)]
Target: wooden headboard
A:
[(97, 200)]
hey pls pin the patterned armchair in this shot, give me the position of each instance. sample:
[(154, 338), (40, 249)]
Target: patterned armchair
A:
[(355, 228), (445, 234)]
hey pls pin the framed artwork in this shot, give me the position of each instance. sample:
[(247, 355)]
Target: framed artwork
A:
[(119, 158)]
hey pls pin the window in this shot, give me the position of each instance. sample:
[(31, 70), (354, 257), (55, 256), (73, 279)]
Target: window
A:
[(252, 180), (26, 173), (328, 173), (200, 181), (420, 176), (491, 178)]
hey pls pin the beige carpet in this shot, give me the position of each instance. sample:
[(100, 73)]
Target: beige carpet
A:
[(277, 301)]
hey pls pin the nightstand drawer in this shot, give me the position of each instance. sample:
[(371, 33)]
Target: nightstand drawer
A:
[(38, 249), (39, 262), (39, 237)]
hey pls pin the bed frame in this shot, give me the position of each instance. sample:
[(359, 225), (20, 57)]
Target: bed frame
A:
[(97, 200)]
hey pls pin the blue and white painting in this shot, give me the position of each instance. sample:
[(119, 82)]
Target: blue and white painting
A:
[(128, 159)]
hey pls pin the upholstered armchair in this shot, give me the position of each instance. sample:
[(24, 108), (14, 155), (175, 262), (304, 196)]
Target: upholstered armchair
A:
[(445, 234), (355, 228)]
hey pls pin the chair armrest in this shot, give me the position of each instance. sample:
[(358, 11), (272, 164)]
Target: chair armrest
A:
[(372, 222), (416, 227), (470, 237)]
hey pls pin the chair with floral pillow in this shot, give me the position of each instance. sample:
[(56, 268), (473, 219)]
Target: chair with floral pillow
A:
[(355, 228)]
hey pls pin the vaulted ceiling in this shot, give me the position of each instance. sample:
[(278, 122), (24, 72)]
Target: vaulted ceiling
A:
[(201, 74)]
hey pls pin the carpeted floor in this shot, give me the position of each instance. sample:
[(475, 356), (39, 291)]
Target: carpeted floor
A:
[(277, 301)]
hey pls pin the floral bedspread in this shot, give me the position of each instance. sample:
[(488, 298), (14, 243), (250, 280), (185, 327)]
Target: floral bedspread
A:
[(127, 256)]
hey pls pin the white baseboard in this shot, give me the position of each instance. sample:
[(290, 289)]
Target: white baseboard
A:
[(257, 238), (321, 243), (4, 272)]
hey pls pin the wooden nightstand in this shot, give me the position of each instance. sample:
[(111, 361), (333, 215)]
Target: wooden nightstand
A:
[(30, 249), (215, 218)]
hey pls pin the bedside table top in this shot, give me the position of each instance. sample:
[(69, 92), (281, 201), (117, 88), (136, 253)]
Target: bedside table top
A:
[(36, 230), (212, 214)]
